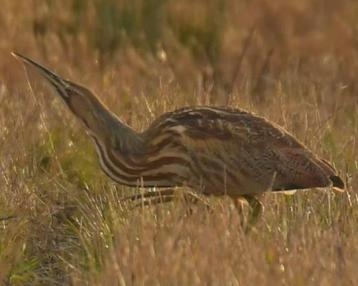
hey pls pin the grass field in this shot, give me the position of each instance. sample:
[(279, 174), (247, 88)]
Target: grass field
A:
[(62, 221)]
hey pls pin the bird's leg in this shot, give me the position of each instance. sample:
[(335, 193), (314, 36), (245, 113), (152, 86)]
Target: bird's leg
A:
[(169, 195), (241, 205), (150, 195), (151, 198), (255, 209), (165, 196)]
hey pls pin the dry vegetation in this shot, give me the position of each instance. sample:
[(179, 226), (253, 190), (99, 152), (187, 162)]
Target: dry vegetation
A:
[(62, 222)]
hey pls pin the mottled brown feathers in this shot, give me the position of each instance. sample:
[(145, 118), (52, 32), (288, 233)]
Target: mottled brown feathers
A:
[(210, 149), (236, 148)]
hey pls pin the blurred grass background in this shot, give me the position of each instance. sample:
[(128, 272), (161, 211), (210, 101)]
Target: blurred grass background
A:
[(294, 62)]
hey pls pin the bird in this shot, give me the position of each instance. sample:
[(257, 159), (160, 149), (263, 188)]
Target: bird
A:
[(213, 151)]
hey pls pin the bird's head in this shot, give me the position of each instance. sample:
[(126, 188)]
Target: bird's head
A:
[(80, 100)]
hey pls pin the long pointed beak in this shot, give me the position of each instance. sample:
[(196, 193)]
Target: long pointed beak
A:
[(55, 80)]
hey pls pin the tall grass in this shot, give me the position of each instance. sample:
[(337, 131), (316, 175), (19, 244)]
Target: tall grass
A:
[(62, 221)]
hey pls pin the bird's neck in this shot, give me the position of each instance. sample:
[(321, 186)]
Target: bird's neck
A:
[(123, 137)]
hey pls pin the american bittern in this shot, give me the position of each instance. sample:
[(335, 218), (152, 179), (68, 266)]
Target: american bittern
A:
[(214, 151)]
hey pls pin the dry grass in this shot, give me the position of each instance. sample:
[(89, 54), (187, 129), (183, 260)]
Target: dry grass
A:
[(146, 57)]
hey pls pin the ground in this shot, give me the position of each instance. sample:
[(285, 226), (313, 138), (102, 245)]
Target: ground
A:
[(62, 220)]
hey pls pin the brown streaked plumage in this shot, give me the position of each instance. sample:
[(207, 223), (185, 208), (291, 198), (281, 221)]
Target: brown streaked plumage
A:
[(214, 151)]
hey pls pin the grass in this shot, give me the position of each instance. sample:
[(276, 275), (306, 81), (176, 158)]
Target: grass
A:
[(62, 220)]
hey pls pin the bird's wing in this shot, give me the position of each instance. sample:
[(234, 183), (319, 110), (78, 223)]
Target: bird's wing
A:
[(250, 147)]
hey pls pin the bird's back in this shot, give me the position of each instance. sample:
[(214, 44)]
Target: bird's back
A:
[(226, 150)]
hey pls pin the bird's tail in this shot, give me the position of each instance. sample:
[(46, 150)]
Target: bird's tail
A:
[(337, 183)]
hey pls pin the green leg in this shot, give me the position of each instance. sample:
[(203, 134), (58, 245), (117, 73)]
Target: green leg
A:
[(165, 196), (255, 210)]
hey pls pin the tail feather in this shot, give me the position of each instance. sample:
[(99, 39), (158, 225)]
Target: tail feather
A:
[(337, 182), (301, 170)]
